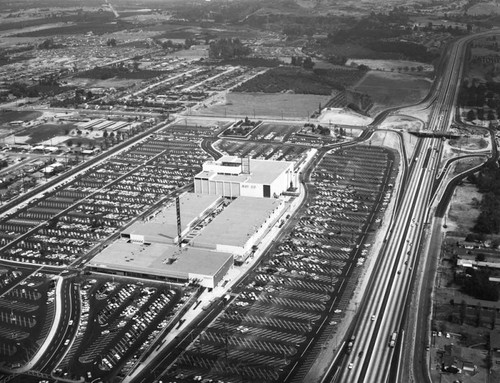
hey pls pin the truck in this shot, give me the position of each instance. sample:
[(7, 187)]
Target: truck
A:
[(392, 339), (350, 343)]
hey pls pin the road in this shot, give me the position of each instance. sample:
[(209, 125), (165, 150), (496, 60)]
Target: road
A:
[(70, 311), (373, 357)]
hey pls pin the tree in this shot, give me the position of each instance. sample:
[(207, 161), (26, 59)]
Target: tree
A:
[(111, 42), (228, 49), (479, 286), (478, 315), (471, 116), (307, 63), (189, 42), (463, 311)]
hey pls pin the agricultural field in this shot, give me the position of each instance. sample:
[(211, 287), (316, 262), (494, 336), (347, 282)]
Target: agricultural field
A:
[(356, 51), (484, 49), (297, 80), (484, 9), (182, 31), (283, 105), (389, 90), (117, 83), (104, 73), (98, 27)]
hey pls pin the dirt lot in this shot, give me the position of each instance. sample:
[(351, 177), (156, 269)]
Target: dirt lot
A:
[(464, 209), (272, 105), (393, 89)]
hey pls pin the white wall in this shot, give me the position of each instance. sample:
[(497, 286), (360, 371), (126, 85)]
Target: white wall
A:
[(251, 190), (205, 280), (137, 238)]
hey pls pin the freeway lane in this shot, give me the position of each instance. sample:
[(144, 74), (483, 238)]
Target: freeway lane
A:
[(372, 358)]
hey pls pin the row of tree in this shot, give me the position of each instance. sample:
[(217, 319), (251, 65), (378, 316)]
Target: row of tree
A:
[(476, 283), (228, 48), (474, 94), (488, 183), (481, 114)]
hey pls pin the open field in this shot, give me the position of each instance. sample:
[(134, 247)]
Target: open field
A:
[(389, 90), (260, 104), (45, 132), (401, 122), (465, 164), (464, 208), (391, 65), (469, 143), (12, 115)]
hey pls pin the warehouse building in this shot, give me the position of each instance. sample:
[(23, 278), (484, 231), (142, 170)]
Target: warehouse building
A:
[(161, 226), (216, 232), (163, 262), (240, 225), (232, 177)]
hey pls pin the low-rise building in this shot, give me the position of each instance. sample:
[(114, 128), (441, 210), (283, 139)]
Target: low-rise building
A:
[(232, 177)]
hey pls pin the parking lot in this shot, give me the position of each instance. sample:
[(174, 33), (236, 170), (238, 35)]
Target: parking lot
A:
[(119, 321), (73, 219), (26, 312), (260, 150), (276, 313)]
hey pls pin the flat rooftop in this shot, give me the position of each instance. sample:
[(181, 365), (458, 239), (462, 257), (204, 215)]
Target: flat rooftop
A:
[(261, 172), (154, 259), (237, 222), (163, 227)]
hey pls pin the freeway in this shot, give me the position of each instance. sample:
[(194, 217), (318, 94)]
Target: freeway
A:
[(378, 334)]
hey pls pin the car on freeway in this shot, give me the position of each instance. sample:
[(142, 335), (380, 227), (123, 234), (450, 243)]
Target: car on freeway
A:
[(350, 366)]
